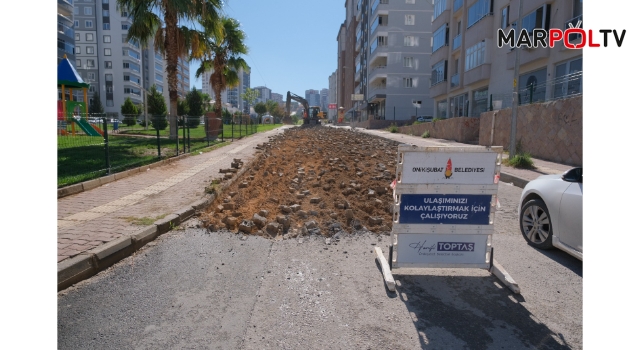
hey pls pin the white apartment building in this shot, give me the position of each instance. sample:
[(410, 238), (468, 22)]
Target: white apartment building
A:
[(115, 67), (231, 97)]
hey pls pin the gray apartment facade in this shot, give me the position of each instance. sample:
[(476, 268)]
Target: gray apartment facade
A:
[(66, 33), (115, 67), (391, 66), (471, 74)]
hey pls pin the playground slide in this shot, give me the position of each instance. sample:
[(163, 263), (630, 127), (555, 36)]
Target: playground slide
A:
[(86, 127), (97, 129)]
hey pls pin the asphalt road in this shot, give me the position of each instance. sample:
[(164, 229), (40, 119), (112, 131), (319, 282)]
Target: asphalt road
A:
[(196, 290)]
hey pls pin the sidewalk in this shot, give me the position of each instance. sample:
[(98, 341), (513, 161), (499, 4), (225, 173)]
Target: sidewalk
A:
[(519, 177), (109, 221)]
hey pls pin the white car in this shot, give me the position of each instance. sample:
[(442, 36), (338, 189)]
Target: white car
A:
[(550, 212)]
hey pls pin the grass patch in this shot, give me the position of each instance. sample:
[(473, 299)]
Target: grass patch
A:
[(521, 161), (145, 221), (426, 134), (393, 128), (213, 186)]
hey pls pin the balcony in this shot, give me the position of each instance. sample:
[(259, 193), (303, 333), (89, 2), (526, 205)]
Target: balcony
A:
[(528, 56), (65, 7), (378, 75), (455, 80), (441, 19), (438, 89), (477, 74), (66, 30), (457, 41), (457, 4), (574, 23), (381, 21), (377, 93)]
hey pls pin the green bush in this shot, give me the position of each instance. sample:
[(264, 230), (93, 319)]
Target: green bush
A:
[(159, 122), (393, 128), (436, 119), (426, 134), (521, 161)]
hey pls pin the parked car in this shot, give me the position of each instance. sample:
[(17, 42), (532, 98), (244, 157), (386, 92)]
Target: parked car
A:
[(425, 119), (550, 212)]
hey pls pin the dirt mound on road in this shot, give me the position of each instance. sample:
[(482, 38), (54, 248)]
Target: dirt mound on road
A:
[(317, 180)]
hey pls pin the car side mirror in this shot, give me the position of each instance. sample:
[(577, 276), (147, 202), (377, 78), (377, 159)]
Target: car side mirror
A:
[(573, 175)]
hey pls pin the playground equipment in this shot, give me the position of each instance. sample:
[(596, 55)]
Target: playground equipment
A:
[(69, 78)]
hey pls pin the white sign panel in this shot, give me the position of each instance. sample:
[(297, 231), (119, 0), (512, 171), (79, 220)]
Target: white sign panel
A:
[(423, 249), (448, 168), (357, 97)]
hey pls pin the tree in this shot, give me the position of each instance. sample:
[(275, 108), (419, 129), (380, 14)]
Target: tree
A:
[(295, 118), (95, 107), (161, 20), (158, 109), (194, 101), (222, 58), (271, 106), (250, 96), (260, 108), (130, 112), (206, 106)]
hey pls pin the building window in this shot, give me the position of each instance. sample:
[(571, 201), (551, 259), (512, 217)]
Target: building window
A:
[(107, 64), (92, 89), (158, 66), (568, 79), (78, 63), (106, 26), (409, 20), (410, 40), (459, 105), (532, 86), (91, 76), (106, 39), (441, 37), (105, 13), (91, 63), (76, 10), (537, 19), (474, 56), (125, 27), (107, 52), (442, 109), (438, 7), (407, 82), (478, 11), (77, 50), (77, 37), (89, 36), (88, 11), (480, 103), (76, 23), (439, 72), (108, 77), (124, 14), (159, 77), (126, 77), (408, 61), (504, 21), (90, 50), (88, 24)]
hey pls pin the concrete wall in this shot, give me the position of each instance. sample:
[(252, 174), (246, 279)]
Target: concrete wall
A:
[(460, 129), (550, 131)]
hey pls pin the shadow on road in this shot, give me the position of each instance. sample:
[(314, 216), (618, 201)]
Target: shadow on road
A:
[(572, 264), (469, 312)]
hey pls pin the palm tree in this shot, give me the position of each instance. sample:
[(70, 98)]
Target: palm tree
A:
[(222, 55), (160, 20)]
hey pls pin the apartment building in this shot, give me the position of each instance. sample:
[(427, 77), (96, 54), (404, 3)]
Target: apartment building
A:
[(264, 93), (392, 49), (333, 97), (312, 96), (324, 100), (277, 97), (66, 35), (469, 72), (346, 57), (116, 67), (231, 97)]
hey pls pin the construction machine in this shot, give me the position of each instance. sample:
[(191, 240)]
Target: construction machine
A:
[(311, 114)]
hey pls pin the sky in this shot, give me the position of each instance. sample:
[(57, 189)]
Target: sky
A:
[(292, 43)]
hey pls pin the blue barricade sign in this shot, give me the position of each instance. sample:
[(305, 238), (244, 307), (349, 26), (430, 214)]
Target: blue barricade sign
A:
[(451, 209)]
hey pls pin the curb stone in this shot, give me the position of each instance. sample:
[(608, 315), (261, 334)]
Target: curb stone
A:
[(83, 266)]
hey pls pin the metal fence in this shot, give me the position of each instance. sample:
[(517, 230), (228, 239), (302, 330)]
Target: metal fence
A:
[(91, 146), (569, 85)]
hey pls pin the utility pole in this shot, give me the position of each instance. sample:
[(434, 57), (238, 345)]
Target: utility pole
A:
[(514, 105)]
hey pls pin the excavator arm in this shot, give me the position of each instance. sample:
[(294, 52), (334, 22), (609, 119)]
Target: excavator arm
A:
[(305, 104)]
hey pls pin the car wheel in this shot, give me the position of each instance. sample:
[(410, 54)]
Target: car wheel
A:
[(535, 224)]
